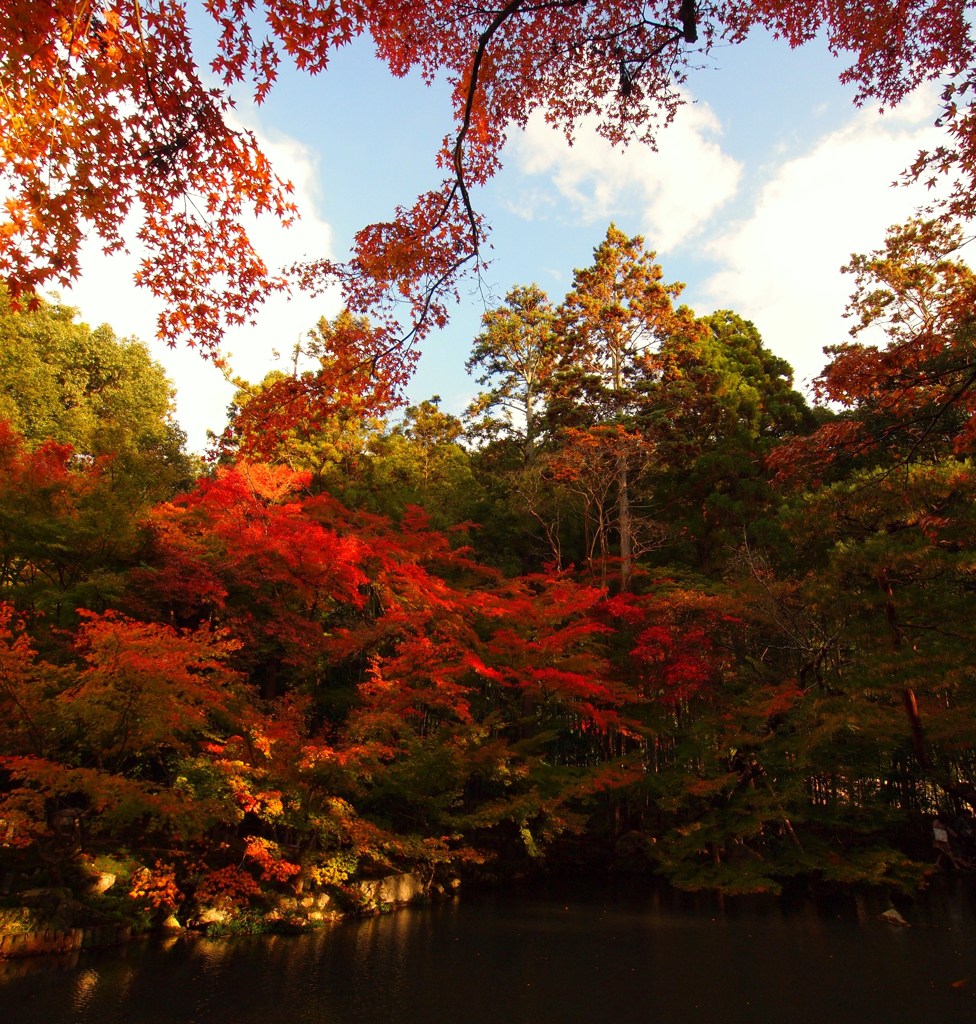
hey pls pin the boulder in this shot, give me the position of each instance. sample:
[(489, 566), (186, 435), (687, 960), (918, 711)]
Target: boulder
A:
[(101, 882), (392, 889), (213, 915)]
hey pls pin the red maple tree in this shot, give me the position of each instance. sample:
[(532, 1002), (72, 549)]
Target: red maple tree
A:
[(106, 114)]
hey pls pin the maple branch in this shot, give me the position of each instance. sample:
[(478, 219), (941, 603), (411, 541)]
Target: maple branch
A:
[(508, 11), (407, 340), (930, 420), (457, 155), (941, 411), (150, 86), (36, 736), (933, 628)]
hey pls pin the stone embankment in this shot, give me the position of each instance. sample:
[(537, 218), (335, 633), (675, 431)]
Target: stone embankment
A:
[(299, 913), (68, 940)]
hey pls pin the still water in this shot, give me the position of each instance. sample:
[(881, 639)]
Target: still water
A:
[(603, 957)]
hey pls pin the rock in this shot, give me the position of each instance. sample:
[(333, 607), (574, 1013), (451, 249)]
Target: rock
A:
[(45, 897), (101, 882), (393, 889), (893, 917), (213, 915), (171, 924)]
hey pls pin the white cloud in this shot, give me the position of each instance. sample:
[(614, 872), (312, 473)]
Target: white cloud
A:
[(781, 263), (674, 191), (106, 293)]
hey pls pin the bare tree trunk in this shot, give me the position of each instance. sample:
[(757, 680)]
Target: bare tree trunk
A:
[(623, 525), (623, 495), (915, 724)]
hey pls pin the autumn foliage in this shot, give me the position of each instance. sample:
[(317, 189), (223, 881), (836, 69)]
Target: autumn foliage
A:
[(108, 124), (669, 620)]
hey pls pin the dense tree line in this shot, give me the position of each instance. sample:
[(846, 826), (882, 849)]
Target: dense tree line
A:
[(639, 607)]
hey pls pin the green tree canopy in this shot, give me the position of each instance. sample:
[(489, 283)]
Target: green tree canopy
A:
[(715, 402), (62, 381), (421, 462), (515, 356)]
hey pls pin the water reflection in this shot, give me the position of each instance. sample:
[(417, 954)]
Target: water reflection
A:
[(85, 984), (622, 958)]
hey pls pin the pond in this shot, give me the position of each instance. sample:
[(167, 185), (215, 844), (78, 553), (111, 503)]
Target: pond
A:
[(558, 957)]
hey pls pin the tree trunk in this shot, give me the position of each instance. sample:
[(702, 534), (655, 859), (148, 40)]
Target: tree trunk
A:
[(623, 495), (623, 525), (915, 724)]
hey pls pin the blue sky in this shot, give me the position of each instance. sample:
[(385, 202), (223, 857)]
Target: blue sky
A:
[(767, 182)]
